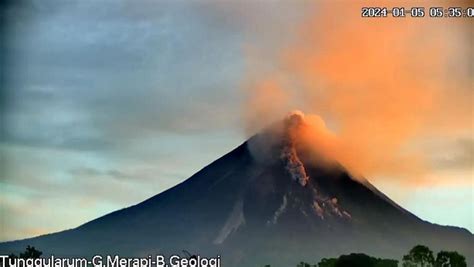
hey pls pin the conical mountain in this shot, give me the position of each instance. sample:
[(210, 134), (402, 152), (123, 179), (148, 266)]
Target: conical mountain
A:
[(266, 202)]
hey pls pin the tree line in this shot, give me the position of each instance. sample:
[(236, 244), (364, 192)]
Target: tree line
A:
[(418, 256)]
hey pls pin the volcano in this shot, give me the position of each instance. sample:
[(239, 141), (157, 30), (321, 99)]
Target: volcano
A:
[(266, 202)]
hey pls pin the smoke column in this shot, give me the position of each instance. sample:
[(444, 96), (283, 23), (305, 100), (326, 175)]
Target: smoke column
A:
[(375, 87)]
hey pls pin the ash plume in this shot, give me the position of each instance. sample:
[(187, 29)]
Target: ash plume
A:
[(380, 87), (293, 165)]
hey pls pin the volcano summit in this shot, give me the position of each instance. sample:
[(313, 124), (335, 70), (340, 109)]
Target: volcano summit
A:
[(266, 202)]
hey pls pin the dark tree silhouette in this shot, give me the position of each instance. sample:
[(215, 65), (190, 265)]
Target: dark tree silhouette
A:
[(386, 263), (450, 259), (31, 253), (357, 260), (327, 262), (419, 256)]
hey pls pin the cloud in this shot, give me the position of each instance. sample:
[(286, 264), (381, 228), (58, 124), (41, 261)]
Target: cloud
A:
[(93, 76), (88, 173), (380, 88), (455, 155), (100, 98)]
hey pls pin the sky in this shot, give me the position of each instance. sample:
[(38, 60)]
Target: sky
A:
[(107, 103)]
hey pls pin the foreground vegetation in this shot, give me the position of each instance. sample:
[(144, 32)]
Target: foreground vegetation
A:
[(418, 256), (29, 253)]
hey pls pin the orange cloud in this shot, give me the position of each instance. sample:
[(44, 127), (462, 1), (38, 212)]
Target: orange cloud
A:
[(380, 84)]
